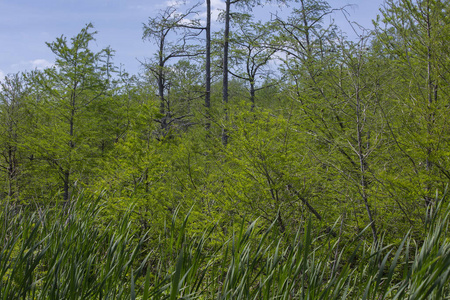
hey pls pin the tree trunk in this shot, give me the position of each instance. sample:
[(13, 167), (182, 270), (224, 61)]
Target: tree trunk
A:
[(66, 173), (208, 55), (252, 93), (225, 69), (12, 170), (208, 63), (432, 92), (363, 166), (225, 52), (161, 89)]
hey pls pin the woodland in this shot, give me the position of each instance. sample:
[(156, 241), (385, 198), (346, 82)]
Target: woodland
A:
[(272, 159)]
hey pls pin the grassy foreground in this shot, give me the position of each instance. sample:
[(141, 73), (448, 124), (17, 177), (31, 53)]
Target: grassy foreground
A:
[(71, 253)]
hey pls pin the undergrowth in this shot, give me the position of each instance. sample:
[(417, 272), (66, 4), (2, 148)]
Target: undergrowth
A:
[(71, 253)]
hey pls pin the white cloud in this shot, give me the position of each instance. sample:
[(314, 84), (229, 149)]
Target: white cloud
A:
[(170, 3), (174, 3), (38, 64), (217, 6), (186, 21)]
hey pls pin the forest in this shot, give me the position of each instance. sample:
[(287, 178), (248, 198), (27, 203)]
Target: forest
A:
[(272, 159)]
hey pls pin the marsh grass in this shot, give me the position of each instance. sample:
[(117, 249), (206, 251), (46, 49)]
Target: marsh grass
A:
[(70, 253)]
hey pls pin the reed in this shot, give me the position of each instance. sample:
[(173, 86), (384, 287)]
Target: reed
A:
[(69, 253)]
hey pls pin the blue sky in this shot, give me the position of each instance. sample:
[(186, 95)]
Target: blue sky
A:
[(25, 26)]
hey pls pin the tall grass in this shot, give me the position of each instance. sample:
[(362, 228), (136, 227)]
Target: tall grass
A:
[(65, 253), (71, 254)]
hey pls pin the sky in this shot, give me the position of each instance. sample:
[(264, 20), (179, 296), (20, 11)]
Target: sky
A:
[(25, 26)]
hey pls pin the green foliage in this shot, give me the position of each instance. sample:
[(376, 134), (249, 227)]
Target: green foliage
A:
[(14, 97), (355, 131), (413, 41), (71, 93), (70, 254), (73, 254)]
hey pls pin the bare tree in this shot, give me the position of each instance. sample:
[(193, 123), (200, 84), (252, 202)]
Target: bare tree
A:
[(174, 33), (249, 51)]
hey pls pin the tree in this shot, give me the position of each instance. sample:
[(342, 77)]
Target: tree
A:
[(249, 49), (208, 61), (226, 37), (334, 88), (186, 88), (266, 172), (363, 131), (414, 39), (72, 88), (160, 29), (13, 96), (306, 44)]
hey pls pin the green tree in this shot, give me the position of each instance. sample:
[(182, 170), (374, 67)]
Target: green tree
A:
[(249, 51), (186, 88), (77, 83), (413, 35), (14, 94)]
